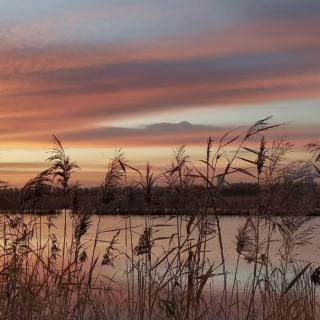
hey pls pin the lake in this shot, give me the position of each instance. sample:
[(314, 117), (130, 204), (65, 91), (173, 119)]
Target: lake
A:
[(163, 229)]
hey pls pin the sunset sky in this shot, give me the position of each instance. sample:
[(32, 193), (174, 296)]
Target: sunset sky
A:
[(147, 76)]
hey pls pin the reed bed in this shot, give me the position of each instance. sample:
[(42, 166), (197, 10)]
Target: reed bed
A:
[(164, 277)]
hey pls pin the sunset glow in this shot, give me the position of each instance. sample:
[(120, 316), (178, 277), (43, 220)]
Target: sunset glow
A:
[(148, 76)]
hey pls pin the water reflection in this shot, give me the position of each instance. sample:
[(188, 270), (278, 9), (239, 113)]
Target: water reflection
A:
[(164, 230)]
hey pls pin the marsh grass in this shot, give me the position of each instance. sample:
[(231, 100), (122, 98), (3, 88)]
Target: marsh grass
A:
[(41, 278)]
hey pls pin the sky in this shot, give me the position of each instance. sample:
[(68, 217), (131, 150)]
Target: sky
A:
[(148, 76)]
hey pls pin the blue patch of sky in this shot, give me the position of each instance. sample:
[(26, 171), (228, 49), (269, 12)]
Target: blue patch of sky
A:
[(300, 112), (124, 20)]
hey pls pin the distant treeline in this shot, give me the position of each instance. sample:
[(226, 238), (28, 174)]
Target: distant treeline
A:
[(236, 198)]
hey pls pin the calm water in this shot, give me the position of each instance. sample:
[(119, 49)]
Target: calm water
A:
[(165, 227)]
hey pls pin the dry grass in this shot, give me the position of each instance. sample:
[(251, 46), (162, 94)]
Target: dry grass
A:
[(43, 279)]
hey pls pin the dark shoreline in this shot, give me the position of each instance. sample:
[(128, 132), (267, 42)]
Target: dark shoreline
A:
[(168, 212)]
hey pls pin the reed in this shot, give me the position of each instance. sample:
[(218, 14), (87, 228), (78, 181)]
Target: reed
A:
[(166, 276)]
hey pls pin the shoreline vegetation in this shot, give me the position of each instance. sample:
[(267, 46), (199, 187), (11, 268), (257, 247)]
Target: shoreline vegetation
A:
[(237, 199), (166, 212), (44, 278)]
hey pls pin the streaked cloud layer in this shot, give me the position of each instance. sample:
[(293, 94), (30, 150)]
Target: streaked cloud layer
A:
[(155, 73)]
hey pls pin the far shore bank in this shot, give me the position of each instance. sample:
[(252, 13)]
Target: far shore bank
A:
[(167, 212)]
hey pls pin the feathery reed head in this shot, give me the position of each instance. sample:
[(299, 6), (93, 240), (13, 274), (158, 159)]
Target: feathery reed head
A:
[(145, 243), (315, 277)]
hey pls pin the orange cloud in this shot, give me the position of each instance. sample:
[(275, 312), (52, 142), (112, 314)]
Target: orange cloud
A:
[(76, 92)]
